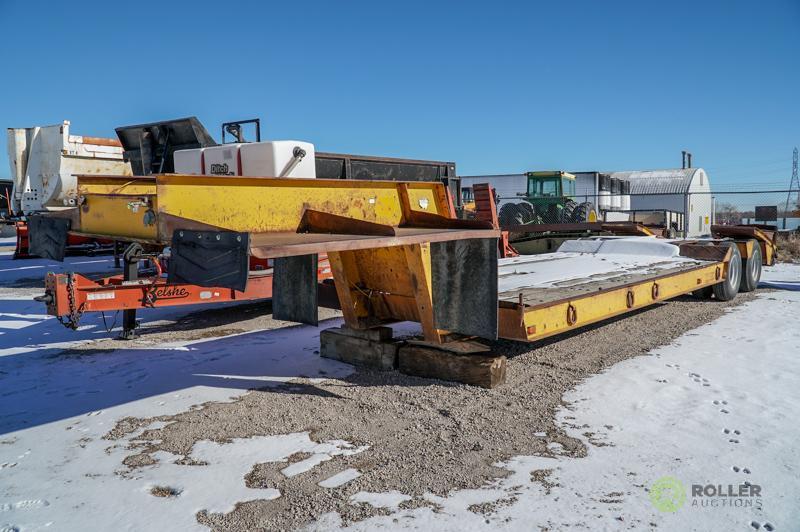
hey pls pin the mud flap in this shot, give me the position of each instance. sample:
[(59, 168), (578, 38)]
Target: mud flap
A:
[(210, 258), (294, 289), (47, 237), (464, 285)]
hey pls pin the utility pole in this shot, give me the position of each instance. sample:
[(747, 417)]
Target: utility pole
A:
[(794, 187)]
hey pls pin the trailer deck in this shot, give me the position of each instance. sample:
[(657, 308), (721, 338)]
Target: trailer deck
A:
[(543, 295)]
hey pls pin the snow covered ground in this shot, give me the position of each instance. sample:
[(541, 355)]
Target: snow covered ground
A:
[(718, 406)]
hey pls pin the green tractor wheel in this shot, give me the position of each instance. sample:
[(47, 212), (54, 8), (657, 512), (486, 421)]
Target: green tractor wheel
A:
[(567, 213), (584, 213), (516, 214)]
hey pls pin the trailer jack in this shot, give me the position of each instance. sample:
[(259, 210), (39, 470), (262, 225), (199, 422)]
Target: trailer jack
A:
[(130, 273)]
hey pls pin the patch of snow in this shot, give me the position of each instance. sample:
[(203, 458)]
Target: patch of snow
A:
[(634, 245), (568, 268), (322, 453), (340, 479)]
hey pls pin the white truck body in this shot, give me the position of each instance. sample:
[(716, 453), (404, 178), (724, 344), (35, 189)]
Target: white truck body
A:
[(45, 160)]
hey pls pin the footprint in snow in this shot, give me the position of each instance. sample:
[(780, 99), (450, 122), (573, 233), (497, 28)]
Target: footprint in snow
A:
[(732, 431), (95, 413), (766, 526), (737, 469), (29, 504)]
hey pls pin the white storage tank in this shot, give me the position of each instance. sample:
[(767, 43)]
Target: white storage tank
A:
[(189, 161), (626, 195), (222, 160), (616, 200), (604, 192), (279, 158)]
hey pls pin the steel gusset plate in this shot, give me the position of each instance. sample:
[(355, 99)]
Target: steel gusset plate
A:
[(210, 258), (47, 237), (464, 286), (294, 289)]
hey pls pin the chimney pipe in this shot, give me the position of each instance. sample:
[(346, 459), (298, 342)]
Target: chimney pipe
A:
[(688, 160), (683, 159)]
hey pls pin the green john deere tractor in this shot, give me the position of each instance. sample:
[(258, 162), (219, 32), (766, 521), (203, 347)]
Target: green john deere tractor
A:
[(550, 199)]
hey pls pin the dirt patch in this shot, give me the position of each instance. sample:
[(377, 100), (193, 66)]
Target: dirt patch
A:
[(164, 491), (488, 508), (139, 460), (424, 435)]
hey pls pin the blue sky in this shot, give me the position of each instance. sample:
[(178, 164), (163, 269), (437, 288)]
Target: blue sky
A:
[(498, 87)]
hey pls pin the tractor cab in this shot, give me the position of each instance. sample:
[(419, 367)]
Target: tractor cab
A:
[(542, 185)]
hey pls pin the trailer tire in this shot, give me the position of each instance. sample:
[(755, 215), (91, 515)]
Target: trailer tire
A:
[(703, 293), (751, 269), (727, 289)]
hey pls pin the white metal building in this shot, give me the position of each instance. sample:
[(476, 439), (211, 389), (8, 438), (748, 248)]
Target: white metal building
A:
[(685, 190)]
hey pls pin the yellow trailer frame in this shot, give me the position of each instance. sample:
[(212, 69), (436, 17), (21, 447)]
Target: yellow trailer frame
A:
[(519, 321), (150, 208)]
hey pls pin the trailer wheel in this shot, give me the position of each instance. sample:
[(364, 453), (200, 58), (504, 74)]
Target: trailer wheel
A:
[(727, 289), (751, 269)]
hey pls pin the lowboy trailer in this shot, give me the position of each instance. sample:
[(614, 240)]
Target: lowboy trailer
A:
[(396, 252)]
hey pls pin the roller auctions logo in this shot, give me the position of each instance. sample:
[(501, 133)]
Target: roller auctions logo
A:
[(667, 494)]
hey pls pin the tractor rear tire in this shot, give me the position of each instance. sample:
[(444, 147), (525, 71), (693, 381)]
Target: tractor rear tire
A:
[(727, 289), (568, 212), (515, 214), (751, 269), (582, 212), (529, 213)]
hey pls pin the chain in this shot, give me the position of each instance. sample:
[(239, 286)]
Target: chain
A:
[(75, 314)]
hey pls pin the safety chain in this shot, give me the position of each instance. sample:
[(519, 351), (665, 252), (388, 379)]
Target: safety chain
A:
[(74, 317), (150, 295)]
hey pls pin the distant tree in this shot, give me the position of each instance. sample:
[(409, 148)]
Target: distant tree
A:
[(728, 214)]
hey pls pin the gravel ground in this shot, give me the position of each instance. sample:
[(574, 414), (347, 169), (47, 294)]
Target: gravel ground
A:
[(424, 435)]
